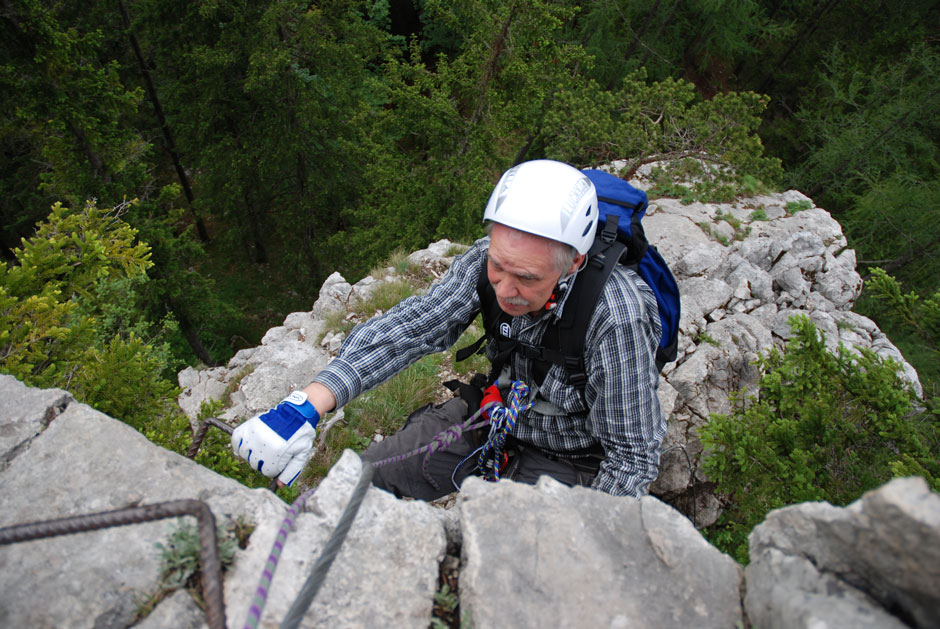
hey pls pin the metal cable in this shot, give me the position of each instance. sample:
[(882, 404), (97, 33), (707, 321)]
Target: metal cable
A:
[(200, 434), (211, 567), (310, 588)]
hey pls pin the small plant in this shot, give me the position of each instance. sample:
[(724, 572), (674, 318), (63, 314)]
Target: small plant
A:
[(446, 603), (844, 324), (380, 411), (180, 560), (798, 206), (705, 337), (455, 250), (759, 215), (236, 382), (336, 321)]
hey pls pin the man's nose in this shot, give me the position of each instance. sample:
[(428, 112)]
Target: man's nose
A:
[(505, 287)]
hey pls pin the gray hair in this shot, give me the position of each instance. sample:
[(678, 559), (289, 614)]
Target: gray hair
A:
[(563, 254)]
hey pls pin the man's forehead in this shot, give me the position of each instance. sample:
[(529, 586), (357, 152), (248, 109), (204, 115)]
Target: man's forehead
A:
[(521, 252)]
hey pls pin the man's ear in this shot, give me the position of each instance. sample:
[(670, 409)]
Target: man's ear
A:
[(576, 263)]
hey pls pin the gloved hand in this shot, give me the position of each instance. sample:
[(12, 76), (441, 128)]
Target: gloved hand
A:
[(490, 394), (278, 442)]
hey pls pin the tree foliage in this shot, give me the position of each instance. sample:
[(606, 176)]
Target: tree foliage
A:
[(822, 426), (66, 315), (303, 138)]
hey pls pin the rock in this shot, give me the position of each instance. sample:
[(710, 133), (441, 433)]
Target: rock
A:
[(547, 555), (25, 413), (786, 591), (885, 545), (82, 463), (334, 295), (556, 556), (385, 574), (179, 610)]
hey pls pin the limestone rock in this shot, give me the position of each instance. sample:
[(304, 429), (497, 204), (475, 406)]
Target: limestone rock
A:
[(385, 574), (25, 413), (85, 462), (885, 545), (788, 591), (554, 556)]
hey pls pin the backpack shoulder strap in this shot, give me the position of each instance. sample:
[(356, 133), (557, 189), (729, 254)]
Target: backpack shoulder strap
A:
[(564, 340)]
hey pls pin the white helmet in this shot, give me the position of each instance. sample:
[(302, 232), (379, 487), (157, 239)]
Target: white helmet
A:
[(546, 198)]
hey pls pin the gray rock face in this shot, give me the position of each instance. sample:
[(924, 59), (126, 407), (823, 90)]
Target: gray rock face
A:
[(788, 591), (529, 556), (84, 462), (736, 301), (885, 546), (26, 412), (384, 576), (554, 556)]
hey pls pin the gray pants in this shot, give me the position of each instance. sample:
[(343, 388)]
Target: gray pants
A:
[(406, 478)]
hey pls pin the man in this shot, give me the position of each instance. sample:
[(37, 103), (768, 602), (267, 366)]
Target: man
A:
[(541, 219)]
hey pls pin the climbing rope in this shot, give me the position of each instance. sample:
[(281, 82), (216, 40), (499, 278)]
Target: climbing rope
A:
[(502, 420), (312, 585)]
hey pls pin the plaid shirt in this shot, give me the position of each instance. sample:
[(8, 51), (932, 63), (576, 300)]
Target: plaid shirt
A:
[(622, 413)]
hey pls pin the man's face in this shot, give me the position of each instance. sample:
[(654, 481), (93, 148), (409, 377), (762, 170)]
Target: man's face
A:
[(521, 268)]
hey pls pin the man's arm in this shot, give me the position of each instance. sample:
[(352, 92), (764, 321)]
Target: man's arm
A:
[(625, 415), (279, 441), (322, 398), (378, 349)]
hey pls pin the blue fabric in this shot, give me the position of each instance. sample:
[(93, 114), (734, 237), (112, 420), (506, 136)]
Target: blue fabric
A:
[(286, 418), (652, 268)]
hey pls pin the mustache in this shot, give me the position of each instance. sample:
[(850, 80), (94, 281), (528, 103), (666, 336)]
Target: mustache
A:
[(516, 301)]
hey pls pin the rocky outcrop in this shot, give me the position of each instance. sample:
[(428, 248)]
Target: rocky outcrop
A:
[(880, 553), (520, 555)]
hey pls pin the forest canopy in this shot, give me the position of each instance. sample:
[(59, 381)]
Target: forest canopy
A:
[(268, 144)]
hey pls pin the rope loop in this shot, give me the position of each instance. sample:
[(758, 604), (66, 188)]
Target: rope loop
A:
[(502, 421)]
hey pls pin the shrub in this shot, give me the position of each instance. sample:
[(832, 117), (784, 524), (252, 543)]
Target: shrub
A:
[(823, 426)]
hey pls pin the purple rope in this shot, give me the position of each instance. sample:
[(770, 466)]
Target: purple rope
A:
[(439, 443), (261, 594)]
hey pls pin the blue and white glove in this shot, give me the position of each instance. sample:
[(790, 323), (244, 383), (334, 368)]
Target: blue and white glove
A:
[(278, 443)]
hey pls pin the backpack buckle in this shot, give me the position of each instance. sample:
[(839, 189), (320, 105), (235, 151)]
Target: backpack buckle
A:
[(609, 231), (578, 380)]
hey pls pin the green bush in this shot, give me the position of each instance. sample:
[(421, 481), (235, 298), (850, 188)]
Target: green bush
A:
[(823, 426)]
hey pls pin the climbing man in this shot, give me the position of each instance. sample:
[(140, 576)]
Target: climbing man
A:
[(603, 429)]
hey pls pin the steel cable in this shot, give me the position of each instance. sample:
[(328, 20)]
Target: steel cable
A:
[(310, 588)]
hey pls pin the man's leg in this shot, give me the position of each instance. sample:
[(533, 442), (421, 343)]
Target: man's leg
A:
[(406, 478), (531, 463)]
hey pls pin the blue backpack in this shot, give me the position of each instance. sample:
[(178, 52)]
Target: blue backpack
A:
[(621, 207), (619, 240)]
